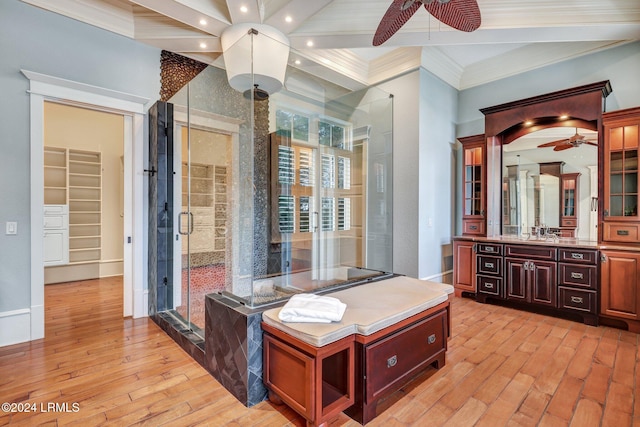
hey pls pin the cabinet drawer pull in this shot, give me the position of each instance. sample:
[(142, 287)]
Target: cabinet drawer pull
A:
[(489, 249), (622, 232), (488, 285), (489, 265), (391, 362), (473, 227), (578, 300), (431, 338), (577, 256), (577, 275)]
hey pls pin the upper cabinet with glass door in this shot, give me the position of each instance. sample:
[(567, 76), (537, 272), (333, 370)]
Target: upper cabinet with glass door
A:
[(621, 138), (474, 190)]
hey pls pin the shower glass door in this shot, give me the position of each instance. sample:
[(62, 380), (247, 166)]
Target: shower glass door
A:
[(202, 218)]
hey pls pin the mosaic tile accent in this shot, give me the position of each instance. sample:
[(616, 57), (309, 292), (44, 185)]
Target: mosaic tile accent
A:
[(175, 72)]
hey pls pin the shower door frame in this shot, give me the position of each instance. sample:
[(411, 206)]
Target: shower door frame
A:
[(209, 122)]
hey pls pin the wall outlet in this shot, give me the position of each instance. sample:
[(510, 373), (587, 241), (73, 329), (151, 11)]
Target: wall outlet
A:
[(12, 227)]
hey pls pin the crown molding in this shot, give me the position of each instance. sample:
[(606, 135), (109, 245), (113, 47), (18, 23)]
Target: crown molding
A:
[(434, 60), (393, 64), (527, 58)]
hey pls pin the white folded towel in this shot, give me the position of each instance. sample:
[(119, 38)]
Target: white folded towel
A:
[(312, 308)]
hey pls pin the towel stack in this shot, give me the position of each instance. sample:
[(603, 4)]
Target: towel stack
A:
[(310, 308)]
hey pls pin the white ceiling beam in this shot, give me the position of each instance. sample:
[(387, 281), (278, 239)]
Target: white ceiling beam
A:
[(253, 13), (604, 32), (298, 10), (216, 21), (110, 16)]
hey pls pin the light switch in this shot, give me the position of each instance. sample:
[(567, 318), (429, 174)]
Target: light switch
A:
[(12, 227)]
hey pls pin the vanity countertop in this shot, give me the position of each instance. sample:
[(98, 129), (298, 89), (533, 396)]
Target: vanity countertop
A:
[(515, 240), (562, 242)]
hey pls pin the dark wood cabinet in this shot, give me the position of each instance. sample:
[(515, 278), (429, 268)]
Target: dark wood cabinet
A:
[(464, 267), (562, 279), (531, 281), (620, 285), (474, 176)]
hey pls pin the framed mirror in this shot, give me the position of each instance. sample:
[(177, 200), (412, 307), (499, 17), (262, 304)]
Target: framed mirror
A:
[(549, 183)]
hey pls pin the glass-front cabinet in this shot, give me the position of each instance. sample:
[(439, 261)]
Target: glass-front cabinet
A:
[(569, 184), (473, 176), (621, 138)]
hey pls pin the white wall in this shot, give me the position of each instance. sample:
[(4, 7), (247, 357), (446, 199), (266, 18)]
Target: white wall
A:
[(424, 170), (41, 41), (405, 171)]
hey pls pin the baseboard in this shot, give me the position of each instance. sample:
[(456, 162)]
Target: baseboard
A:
[(15, 326), (109, 268)]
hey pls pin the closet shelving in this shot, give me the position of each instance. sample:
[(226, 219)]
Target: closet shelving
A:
[(55, 176), (85, 206)]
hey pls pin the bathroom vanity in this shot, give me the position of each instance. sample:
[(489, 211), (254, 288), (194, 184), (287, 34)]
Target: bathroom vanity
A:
[(521, 176)]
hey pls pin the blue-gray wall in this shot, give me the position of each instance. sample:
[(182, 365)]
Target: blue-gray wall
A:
[(620, 65), (47, 43)]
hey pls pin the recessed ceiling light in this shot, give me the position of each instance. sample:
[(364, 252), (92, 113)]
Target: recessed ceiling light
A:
[(297, 62), (288, 18), (564, 117), (244, 9), (203, 45), (528, 123), (310, 43), (203, 22)]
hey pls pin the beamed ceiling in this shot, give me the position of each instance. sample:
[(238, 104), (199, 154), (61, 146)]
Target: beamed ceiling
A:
[(515, 35)]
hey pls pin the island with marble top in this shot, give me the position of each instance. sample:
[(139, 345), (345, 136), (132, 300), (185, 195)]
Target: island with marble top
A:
[(391, 331)]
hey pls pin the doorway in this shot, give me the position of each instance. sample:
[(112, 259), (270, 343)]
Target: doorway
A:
[(83, 193), (49, 88)]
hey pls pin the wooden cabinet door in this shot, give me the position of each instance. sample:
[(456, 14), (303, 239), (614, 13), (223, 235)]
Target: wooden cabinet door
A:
[(621, 178), (620, 284), (516, 280), (464, 271), (542, 281)]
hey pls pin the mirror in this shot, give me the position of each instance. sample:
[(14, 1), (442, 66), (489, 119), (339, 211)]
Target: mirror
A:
[(551, 187)]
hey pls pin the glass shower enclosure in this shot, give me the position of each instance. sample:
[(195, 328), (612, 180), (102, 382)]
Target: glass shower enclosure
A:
[(265, 198)]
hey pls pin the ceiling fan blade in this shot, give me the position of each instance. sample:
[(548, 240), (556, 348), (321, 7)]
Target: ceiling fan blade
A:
[(590, 143), (393, 20), (553, 143), (463, 15), (562, 147)]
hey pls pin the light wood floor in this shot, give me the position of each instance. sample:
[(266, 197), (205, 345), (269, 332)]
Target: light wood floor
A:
[(504, 367)]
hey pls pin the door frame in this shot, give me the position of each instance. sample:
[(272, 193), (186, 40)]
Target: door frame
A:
[(132, 107)]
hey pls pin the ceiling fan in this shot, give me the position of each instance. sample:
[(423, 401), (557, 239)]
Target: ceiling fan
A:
[(463, 15), (566, 143)]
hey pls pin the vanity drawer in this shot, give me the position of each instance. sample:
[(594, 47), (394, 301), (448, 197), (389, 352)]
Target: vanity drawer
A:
[(569, 222), (489, 248), (621, 232), (487, 264), (473, 226), (531, 252), (582, 256), (490, 285), (402, 354), (576, 299), (584, 276)]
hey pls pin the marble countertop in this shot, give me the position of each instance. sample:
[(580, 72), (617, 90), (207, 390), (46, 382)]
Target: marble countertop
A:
[(565, 242)]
